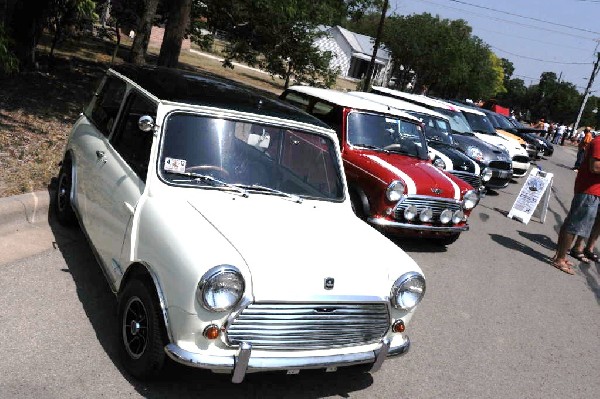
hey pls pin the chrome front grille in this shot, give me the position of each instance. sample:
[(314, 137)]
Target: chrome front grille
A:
[(437, 205), (470, 178), (309, 326)]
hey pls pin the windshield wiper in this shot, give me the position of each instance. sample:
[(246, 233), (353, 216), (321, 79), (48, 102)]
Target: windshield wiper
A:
[(258, 187), (198, 177), (369, 146)]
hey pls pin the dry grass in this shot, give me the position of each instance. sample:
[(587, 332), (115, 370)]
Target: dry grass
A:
[(38, 109)]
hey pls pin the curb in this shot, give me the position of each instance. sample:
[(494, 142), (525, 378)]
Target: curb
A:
[(28, 208)]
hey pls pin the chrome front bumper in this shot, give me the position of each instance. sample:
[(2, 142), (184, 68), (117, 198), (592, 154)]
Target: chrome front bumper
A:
[(408, 226), (243, 363)]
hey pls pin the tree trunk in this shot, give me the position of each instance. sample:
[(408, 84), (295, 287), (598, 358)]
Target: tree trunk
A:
[(177, 25), (116, 50), (26, 28), (57, 34), (142, 34), (288, 74)]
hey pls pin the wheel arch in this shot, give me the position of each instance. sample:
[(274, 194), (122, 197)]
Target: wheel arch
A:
[(144, 272), (359, 193)]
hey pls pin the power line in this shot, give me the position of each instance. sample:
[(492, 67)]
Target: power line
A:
[(525, 17), (533, 40), (538, 59), (487, 17)]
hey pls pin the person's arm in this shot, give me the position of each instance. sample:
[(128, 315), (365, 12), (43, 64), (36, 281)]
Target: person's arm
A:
[(595, 165)]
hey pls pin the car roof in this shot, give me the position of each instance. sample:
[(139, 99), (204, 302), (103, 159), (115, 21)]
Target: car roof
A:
[(397, 103), (348, 100), (200, 89), (417, 98), (472, 110)]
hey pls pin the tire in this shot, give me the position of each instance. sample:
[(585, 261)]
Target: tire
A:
[(141, 331), (357, 205), (62, 202), (448, 240)]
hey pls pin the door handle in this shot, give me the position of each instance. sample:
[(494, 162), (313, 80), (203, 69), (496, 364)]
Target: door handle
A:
[(100, 154)]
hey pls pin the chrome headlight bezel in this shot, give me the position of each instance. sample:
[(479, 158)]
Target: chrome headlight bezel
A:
[(403, 286), (474, 153), (395, 191), (470, 199), (218, 275), (439, 163), (486, 175)]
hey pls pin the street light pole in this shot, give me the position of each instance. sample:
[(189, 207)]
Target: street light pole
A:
[(367, 83), (586, 93)]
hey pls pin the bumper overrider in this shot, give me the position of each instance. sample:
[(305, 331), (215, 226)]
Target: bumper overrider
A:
[(245, 362)]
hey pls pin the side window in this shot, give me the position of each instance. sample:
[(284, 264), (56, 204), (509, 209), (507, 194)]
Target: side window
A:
[(105, 106), (297, 100), (129, 141), (330, 114)]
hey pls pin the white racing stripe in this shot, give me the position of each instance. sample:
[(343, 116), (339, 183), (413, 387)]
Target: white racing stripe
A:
[(411, 188), (447, 161), (477, 168), (454, 185)]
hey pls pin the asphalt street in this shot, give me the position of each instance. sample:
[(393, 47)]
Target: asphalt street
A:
[(497, 320)]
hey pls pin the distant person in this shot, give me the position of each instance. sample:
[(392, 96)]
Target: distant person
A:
[(582, 146), (582, 219), (559, 130)]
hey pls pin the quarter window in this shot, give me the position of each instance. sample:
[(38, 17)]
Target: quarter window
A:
[(130, 142), (105, 105), (297, 100)]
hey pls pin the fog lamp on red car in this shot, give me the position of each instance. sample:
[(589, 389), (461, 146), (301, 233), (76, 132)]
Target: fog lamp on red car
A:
[(410, 213), (458, 217), (426, 215), (398, 326), (211, 332), (446, 216)]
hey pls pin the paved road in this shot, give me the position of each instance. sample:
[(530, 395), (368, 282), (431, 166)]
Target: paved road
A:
[(497, 320)]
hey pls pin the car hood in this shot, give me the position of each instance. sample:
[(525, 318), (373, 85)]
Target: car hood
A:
[(453, 158), (420, 176), (291, 248), (512, 146)]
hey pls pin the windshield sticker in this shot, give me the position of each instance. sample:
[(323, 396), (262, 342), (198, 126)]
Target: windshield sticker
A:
[(175, 165)]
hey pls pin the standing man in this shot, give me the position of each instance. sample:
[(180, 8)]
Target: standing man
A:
[(583, 214), (582, 146)]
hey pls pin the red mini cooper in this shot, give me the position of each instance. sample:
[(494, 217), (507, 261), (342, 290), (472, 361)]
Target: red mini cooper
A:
[(393, 184)]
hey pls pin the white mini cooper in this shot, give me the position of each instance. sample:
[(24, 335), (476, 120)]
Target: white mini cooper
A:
[(222, 222)]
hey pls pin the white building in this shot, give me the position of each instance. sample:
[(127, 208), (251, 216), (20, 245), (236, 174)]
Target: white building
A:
[(352, 53)]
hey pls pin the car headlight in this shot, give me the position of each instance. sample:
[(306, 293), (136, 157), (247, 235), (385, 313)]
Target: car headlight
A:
[(408, 291), (486, 174), (220, 289), (395, 191), (470, 199), (474, 153), (439, 163)]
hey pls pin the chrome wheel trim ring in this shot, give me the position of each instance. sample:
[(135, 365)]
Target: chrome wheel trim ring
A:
[(134, 328)]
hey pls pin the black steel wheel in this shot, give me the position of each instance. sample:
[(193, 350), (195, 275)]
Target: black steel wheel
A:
[(62, 203), (141, 330)]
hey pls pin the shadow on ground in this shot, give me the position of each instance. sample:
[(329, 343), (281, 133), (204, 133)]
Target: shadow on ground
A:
[(520, 247), (178, 381), (540, 239)]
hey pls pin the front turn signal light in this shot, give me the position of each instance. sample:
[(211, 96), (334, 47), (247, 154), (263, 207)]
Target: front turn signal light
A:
[(211, 332), (398, 326)]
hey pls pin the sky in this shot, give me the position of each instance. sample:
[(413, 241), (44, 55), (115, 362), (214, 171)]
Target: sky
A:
[(537, 36)]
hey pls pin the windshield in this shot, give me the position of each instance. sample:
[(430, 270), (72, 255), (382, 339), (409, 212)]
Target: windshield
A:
[(259, 158), (480, 123), (503, 122), (436, 129), (458, 122), (381, 132)]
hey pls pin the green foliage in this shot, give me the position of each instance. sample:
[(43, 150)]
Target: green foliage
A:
[(279, 35), (9, 63)]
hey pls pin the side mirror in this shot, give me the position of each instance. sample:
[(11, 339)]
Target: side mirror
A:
[(146, 123)]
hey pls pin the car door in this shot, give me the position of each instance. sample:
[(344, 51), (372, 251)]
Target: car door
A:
[(91, 135), (120, 180)]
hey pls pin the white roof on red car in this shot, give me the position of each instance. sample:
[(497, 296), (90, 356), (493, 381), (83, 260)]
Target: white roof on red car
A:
[(416, 98), (348, 100), (397, 103)]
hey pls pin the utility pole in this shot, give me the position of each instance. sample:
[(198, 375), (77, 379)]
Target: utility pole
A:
[(586, 93), (367, 82)]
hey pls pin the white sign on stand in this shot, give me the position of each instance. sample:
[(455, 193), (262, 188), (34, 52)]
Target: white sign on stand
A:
[(533, 197)]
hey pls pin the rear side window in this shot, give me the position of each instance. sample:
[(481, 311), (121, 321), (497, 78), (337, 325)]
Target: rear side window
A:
[(105, 106), (129, 141), (331, 115), (297, 100)]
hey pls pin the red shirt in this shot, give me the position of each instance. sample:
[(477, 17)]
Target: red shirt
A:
[(586, 181)]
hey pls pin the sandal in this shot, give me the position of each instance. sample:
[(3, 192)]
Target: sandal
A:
[(580, 256), (590, 255), (563, 266)]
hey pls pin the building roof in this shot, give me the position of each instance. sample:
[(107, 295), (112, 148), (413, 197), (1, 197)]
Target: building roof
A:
[(351, 101), (179, 86), (362, 44)]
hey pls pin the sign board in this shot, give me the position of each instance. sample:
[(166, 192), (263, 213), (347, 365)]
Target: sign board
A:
[(533, 197)]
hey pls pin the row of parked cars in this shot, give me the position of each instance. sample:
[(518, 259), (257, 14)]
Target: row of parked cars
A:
[(217, 214)]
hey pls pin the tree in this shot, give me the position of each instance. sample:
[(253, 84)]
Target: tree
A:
[(178, 23), (25, 25), (146, 10), (66, 13)]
